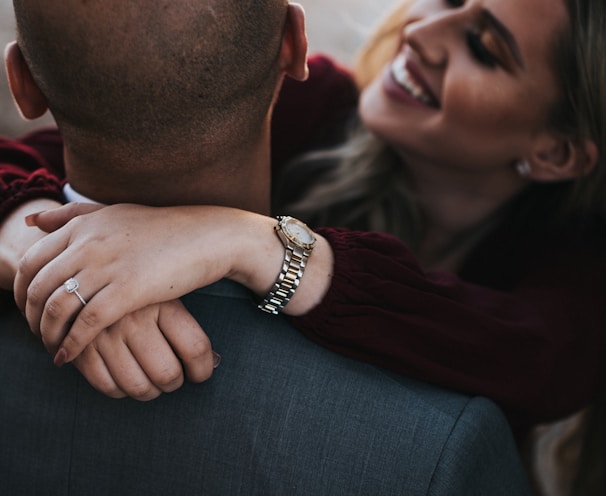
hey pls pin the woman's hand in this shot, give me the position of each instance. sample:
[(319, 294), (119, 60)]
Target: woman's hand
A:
[(124, 258), (141, 356)]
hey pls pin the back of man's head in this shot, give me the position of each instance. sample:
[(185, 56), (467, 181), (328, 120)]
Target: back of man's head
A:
[(144, 72)]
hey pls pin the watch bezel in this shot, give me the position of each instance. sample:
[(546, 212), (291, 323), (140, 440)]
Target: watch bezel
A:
[(286, 222)]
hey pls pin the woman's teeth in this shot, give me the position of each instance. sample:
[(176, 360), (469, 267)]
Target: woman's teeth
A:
[(405, 80)]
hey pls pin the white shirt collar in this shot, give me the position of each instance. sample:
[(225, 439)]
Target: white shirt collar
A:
[(71, 195)]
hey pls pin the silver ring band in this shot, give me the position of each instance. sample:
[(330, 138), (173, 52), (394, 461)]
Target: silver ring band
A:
[(71, 286)]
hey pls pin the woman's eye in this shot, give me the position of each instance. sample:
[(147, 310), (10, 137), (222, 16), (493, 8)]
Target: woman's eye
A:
[(479, 51), (455, 3)]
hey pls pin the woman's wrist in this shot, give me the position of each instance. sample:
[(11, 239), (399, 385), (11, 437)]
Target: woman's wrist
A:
[(315, 281), (259, 259)]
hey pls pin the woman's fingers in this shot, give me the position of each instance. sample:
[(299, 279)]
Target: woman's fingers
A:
[(104, 309), (146, 255), (28, 287), (62, 308), (51, 220), (123, 258)]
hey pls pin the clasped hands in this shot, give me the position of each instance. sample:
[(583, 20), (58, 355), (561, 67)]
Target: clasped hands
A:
[(133, 337)]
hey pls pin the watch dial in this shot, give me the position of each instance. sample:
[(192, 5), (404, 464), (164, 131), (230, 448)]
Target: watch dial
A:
[(298, 231)]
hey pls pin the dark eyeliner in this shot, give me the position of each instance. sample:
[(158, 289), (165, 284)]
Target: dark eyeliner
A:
[(479, 50)]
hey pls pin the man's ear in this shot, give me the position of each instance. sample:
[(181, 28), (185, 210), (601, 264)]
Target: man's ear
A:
[(293, 56), (557, 157), (28, 97)]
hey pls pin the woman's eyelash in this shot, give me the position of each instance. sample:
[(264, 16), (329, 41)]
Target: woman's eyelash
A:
[(474, 41), (479, 50)]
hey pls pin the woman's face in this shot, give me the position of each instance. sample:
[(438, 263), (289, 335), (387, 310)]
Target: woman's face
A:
[(471, 84)]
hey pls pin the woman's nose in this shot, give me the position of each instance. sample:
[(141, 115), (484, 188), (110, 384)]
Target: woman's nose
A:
[(432, 36)]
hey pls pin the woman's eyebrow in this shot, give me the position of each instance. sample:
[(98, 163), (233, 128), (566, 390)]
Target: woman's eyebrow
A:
[(504, 34)]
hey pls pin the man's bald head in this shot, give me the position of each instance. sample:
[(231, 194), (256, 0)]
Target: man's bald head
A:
[(143, 71)]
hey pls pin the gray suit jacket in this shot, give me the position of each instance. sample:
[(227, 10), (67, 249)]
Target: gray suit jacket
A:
[(281, 416)]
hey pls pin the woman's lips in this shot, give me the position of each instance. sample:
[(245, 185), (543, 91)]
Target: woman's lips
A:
[(402, 77)]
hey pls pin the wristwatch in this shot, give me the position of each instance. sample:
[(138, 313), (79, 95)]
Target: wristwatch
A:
[(299, 241)]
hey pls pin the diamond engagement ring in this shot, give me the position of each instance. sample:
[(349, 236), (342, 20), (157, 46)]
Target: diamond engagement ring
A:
[(71, 286)]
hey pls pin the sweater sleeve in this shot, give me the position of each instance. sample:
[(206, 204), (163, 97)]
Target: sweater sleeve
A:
[(30, 167), (534, 349)]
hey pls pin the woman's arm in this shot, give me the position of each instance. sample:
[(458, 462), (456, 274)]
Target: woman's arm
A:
[(126, 257), (527, 347), (535, 348)]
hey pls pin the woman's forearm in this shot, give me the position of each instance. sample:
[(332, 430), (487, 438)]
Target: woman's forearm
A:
[(127, 257), (158, 254)]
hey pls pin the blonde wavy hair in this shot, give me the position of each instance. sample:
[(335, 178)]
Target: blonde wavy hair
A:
[(381, 45)]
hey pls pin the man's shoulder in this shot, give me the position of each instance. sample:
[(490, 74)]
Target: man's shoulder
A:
[(281, 415)]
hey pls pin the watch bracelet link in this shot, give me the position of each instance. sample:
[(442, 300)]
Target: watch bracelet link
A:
[(295, 259)]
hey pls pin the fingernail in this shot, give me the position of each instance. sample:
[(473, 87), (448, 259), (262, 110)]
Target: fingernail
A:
[(60, 358), (30, 220), (216, 359)]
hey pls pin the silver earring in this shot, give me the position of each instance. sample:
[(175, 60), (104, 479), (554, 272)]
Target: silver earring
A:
[(523, 168)]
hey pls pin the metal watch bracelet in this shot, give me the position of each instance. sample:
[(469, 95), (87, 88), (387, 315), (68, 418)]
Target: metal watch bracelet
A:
[(299, 242)]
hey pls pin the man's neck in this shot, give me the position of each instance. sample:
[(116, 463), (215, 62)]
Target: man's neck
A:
[(241, 181)]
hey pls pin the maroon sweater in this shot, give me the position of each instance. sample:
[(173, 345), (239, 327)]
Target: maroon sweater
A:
[(523, 322)]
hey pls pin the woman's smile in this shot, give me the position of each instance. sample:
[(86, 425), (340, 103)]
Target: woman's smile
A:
[(407, 77), (470, 85)]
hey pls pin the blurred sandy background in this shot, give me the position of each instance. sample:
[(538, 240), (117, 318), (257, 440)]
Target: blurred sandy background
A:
[(336, 27)]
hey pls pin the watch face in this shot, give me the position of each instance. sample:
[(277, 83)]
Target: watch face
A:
[(298, 232)]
